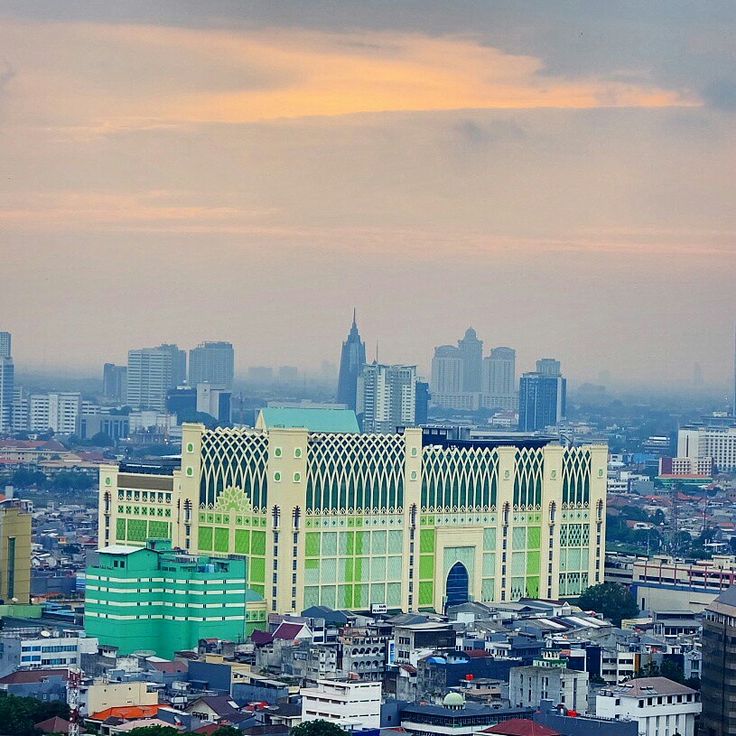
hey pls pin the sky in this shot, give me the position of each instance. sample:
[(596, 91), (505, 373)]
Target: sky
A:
[(559, 175)]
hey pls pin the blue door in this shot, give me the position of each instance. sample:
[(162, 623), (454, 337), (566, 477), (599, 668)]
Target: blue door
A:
[(457, 585)]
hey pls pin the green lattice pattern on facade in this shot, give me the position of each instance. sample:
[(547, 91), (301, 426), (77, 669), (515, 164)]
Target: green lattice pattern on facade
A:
[(525, 560), (576, 476), (465, 477), (574, 558), (346, 472), (528, 477)]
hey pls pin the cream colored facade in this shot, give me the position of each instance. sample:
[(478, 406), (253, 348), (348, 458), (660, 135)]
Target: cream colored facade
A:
[(102, 695), (347, 520), (15, 552)]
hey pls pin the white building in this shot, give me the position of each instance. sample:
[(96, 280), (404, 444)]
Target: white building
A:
[(386, 397), (48, 649), (528, 686), (151, 372), (215, 401), (718, 443), (57, 411), (660, 706), (351, 705), (498, 386)]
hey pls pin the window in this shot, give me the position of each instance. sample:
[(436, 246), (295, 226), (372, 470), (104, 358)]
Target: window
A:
[(297, 452), (277, 452), (297, 477), (277, 477)]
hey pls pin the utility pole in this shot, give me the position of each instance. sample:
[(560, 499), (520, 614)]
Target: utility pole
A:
[(72, 699)]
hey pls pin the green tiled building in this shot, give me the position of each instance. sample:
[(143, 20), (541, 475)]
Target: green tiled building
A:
[(164, 600), (344, 519)]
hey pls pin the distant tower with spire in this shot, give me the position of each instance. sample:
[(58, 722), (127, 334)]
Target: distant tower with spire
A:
[(352, 360)]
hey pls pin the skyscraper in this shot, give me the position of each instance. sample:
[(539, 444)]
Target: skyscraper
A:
[(114, 382), (352, 360), (7, 383), (447, 371), (499, 379), (151, 372), (386, 397), (212, 362), (471, 352), (548, 367), (542, 400)]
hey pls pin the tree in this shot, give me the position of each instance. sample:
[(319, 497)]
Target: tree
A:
[(612, 600), (226, 731), (316, 728), (154, 731), (18, 715)]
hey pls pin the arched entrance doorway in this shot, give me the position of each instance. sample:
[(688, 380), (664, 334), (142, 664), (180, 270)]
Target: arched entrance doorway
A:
[(456, 590)]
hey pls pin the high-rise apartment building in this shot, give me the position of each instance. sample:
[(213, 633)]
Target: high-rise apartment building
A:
[(352, 360), (151, 373), (549, 367), (715, 443), (471, 352), (542, 400), (114, 382), (58, 411), (15, 552), (718, 694), (386, 397), (421, 411), (373, 518), (499, 379), (7, 383), (212, 362), (21, 413)]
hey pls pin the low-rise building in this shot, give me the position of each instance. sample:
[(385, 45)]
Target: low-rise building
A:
[(660, 706), (352, 704), (528, 686), (39, 647)]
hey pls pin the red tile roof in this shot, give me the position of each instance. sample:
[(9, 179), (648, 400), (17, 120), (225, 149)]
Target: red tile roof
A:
[(521, 727), (53, 725), (25, 677), (126, 712)]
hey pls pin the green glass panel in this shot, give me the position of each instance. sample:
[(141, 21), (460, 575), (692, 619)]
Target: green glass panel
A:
[(328, 573), (518, 538), (329, 544), (120, 530), (222, 539), (311, 544), (378, 593), (362, 540), (137, 530), (534, 537), (378, 543), (378, 571), (257, 567), (489, 540), (347, 570), (426, 540), (258, 589), (311, 596), (362, 596), (204, 542), (328, 595), (487, 591), (158, 529), (426, 567), (532, 587), (489, 565), (242, 541), (361, 569), (532, 563), (518, 563), (311, 572), (345, 596), (258, 543), (395, 542), (393, 594), (426, 594)]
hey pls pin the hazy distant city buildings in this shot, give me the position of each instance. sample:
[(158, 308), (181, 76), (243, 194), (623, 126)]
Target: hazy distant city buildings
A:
[(114, 382), (56, 411), (215, 401), (463, 379), (151, 373), (7, 383), (212, 362), (352, 360), (386, 397), (542, 396)]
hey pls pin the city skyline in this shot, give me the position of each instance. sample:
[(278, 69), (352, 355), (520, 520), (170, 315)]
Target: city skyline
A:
[(572, 179)]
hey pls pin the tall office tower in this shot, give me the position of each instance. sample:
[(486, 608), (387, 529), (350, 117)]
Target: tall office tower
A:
[(406, 520), (178, 363), (114, 382), (215, 401), (542, 401), (21, 415), (15, 552), (548, 367), (447, 371), (58, 411), (471, 351), (151, 373), (7, 382), (499, 379), (386, 397), (352, 360), (212, 362), (422, 404), (718, 693)]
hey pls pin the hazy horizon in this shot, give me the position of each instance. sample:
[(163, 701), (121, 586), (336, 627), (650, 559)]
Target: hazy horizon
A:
[(558, 176)]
